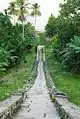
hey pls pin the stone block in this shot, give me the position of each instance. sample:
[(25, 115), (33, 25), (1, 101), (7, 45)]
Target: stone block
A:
[(9, 106)]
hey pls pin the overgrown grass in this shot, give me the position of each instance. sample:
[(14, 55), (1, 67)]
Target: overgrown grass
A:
[(64, 81), (15, 79)]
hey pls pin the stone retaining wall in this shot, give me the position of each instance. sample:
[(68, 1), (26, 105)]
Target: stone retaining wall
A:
[(9, 106), (65, 109)]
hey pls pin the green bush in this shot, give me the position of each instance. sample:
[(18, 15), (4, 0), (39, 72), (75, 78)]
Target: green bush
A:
[(12, 46), (70, 56), (67, 26)]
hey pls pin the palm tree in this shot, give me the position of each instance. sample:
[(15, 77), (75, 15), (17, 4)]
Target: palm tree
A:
[(22, 11), (36, 11), (12, 9)]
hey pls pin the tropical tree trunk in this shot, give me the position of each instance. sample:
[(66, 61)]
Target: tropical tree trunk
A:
[(14, 20), (35, 21), (23, 30)]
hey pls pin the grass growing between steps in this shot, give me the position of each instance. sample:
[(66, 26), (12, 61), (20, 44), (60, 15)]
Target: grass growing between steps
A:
[(64, 81), (15, 79)]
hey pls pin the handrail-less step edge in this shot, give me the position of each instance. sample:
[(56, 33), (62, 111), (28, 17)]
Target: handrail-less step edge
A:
[(9, 106)]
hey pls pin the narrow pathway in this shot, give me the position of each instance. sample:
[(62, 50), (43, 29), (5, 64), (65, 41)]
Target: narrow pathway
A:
[(38, 105)]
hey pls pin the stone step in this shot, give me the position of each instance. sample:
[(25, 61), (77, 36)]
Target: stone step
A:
[(66, 109), (9, 106)]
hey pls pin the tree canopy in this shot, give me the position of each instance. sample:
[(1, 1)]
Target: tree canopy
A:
[(66, 26)]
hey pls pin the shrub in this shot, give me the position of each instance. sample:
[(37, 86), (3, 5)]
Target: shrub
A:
[(12, 47), (70, 57)]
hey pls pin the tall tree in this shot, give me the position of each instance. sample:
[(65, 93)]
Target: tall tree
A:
[(12, 9), (51, 26), (36, 11), (22, 11), (67, 27)]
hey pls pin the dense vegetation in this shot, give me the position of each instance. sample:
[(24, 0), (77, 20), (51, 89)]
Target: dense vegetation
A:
[(18, 39), (64, 32), (16, 77), (15, 51), (66, 82), (12, 47)]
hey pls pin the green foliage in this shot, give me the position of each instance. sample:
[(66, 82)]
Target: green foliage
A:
[(64, 81), (12, 47), (30, 37), (35, 11), (54, 39), (14, 81), (51, 27), (66, 26), (62, 29), (71, 55)]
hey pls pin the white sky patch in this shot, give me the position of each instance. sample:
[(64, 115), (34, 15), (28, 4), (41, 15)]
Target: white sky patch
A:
[(46, 7)]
